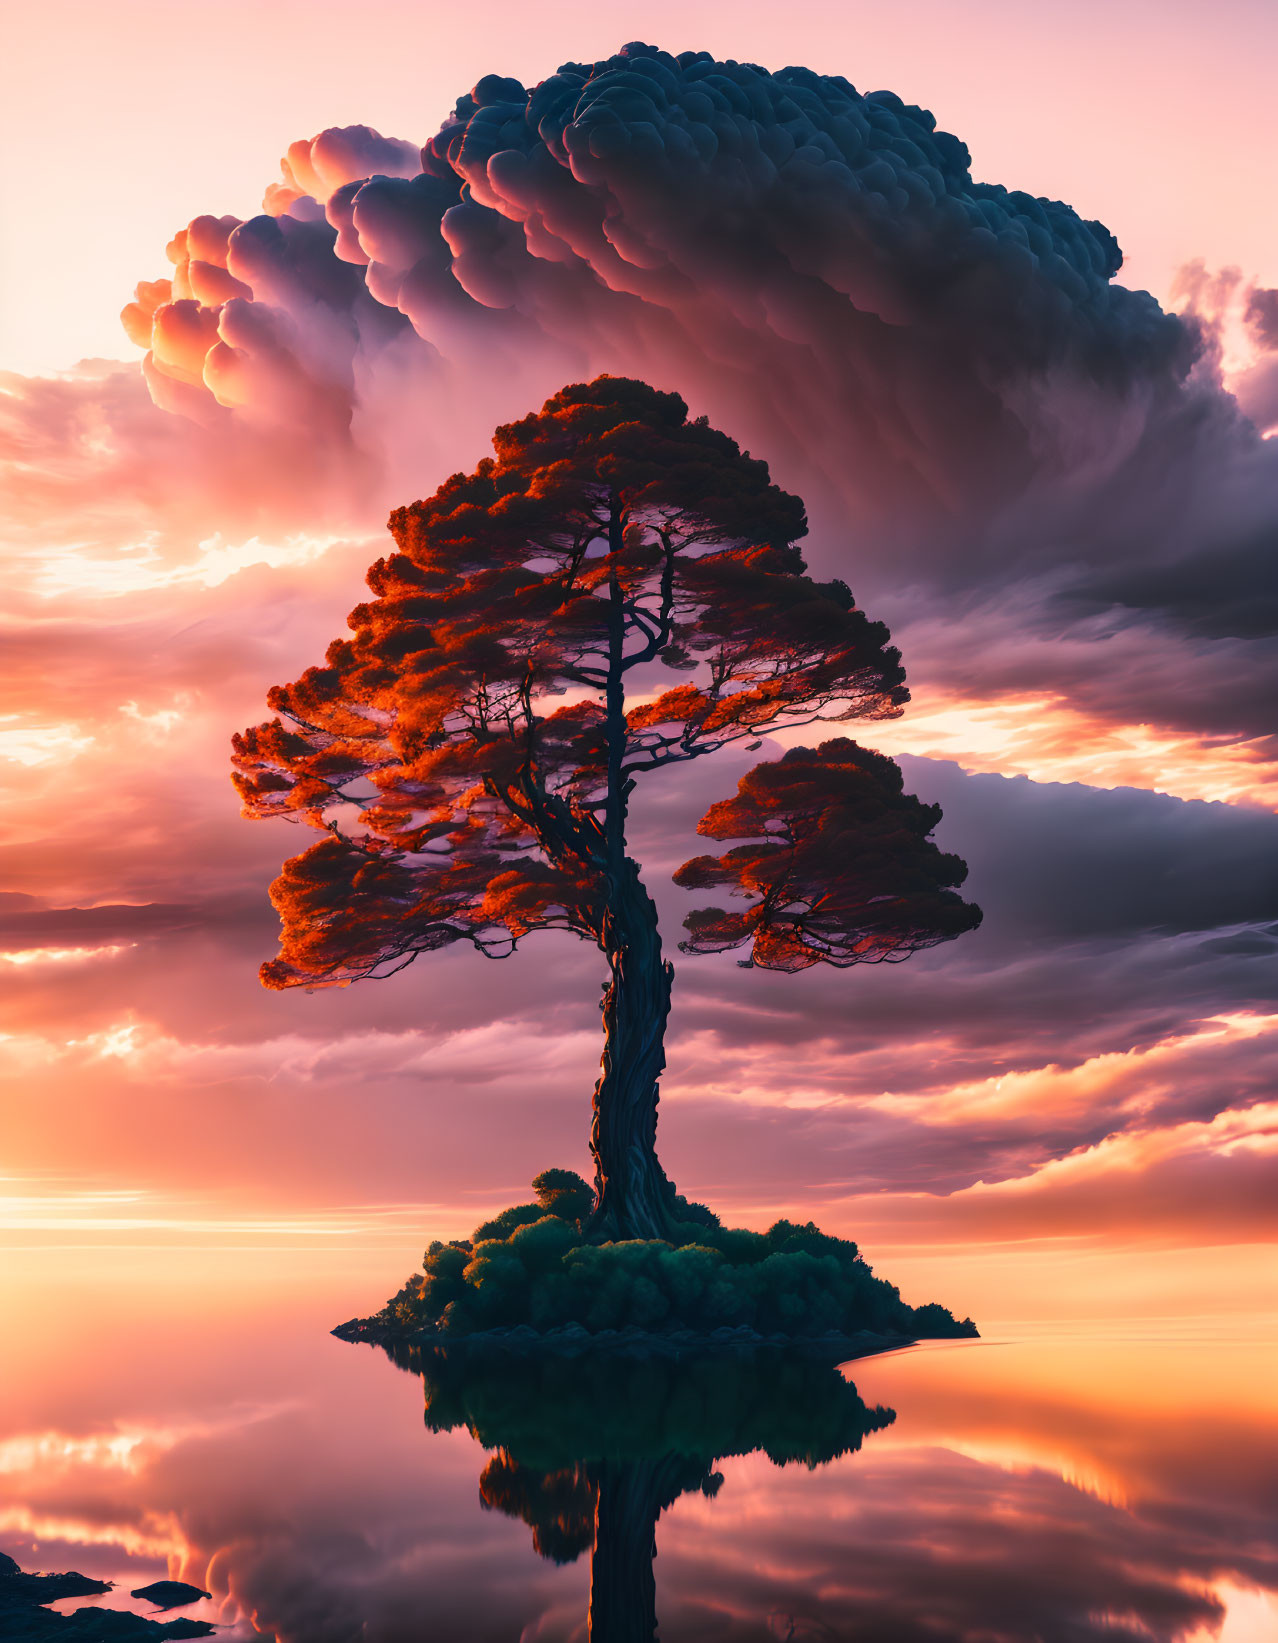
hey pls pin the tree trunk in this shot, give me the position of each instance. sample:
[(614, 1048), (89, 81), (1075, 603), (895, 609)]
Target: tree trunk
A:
[(632, 1194)]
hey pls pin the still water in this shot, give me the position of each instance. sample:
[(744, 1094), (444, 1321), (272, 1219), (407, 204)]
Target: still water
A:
[(1047, 1484)]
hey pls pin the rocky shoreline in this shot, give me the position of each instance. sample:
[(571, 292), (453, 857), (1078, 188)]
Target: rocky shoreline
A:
[(25, 1617)]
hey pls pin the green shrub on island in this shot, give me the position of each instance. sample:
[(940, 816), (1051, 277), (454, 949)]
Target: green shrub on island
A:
[(531, 1265)]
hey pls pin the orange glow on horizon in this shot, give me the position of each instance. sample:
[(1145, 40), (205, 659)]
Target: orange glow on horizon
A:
[(1042, 737)]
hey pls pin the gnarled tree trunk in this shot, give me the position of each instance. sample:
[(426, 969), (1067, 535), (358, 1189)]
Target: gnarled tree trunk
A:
[(632, 1194)]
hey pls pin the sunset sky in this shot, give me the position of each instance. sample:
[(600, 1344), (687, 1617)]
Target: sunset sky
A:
[(1057, 496)]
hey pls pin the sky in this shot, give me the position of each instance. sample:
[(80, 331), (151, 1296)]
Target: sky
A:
[(1056, 491)]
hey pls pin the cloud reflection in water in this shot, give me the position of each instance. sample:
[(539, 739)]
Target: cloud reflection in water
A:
[(1069, 1488)]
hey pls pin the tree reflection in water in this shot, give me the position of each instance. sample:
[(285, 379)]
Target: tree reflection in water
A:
[(591, 1449)]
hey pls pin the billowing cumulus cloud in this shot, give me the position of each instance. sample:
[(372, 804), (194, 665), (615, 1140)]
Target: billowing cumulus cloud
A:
[(649, 200), (985, 426)]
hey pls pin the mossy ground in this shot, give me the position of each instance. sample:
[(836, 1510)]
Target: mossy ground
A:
[(531, 1265)]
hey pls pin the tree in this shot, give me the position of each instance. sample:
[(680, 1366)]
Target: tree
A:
[(471, 751)]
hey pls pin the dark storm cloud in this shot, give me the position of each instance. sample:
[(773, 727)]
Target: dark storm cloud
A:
[(1212, 570), (1049, 862), (1059, 861)]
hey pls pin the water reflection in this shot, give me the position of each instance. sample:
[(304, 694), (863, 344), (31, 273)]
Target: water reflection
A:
[(591, 1450), (1084, 1486)]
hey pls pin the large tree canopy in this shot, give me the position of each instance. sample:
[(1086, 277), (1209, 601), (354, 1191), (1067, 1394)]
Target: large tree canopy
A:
[(471, 750), (610, 535)]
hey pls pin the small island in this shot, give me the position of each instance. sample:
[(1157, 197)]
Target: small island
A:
[(530, 1277)]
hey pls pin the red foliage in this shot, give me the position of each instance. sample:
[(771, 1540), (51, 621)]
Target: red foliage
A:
[(840, 869), (462, 797)]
